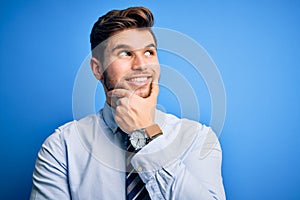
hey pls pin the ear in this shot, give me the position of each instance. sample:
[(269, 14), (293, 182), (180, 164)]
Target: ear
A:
[(96, 68)]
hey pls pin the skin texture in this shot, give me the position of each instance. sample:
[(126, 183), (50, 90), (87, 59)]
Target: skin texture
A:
[(129, 74)]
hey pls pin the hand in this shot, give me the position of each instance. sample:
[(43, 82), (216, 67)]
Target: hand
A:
[(132, 111)]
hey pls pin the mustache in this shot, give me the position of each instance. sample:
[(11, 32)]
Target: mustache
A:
[(110, 84)]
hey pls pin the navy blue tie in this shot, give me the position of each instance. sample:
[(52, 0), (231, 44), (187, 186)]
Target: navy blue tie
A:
[(135, 187)]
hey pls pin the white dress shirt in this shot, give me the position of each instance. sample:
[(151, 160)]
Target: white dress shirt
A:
[(85, 159)]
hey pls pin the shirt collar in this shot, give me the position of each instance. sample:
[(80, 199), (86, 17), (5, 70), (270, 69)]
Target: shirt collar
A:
[(108, 114)]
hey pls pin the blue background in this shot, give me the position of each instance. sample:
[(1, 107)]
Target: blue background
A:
[(255, 45)]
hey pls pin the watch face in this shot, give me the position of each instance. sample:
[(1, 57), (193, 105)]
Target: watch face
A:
[(138, 139)]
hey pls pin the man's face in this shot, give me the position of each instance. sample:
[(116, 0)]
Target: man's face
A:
[(130, 62)]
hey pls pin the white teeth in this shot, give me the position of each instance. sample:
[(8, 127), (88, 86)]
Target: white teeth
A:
[(141, 79)]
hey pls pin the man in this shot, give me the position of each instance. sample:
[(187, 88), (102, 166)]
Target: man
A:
[(129, 150)]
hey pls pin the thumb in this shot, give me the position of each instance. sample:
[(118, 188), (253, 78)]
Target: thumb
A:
[(154, 91)]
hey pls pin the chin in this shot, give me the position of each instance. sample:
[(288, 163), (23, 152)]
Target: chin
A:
[(143, 92)]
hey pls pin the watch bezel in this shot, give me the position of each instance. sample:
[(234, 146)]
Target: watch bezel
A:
[(137, 135)]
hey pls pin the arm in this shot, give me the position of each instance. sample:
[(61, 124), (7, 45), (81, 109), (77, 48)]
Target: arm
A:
[(195, 174), (180, 170), (50, 174)]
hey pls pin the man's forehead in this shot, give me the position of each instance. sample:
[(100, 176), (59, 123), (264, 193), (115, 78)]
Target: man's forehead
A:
[(132, 38)]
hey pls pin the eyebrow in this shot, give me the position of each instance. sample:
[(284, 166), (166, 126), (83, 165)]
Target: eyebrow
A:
[(125, 46)]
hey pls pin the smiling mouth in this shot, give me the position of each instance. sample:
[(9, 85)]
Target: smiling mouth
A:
[(139, 81)]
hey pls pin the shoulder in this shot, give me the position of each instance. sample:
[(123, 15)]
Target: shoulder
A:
[(189, 131), (166, 120), (68, 131)]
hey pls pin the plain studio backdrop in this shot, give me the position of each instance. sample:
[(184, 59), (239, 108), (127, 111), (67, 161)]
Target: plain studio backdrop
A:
[(254, 44)]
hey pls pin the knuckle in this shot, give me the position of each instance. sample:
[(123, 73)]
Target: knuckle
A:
[(118, 110), (122, 101), (118, 119)]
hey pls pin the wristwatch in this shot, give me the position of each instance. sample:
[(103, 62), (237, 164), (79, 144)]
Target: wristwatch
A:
[(140, 137)]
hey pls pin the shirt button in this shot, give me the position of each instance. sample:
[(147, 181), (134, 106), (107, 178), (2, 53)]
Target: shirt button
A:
[(139, 169)]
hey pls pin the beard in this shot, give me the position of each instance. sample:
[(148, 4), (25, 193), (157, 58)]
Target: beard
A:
[(108, 82), (111, 84)]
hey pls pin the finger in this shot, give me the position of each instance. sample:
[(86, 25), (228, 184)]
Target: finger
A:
[(155, 78), (115, 102), (122, 101), (154, 91), (122, 118), (119, 93)]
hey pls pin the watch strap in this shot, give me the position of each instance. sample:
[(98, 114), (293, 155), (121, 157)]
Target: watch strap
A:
[(153, 131)]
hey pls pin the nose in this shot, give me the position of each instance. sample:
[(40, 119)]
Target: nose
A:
[(139, 62)]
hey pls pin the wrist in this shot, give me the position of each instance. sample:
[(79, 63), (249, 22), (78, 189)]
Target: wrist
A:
[(153, 131), (141, 137)]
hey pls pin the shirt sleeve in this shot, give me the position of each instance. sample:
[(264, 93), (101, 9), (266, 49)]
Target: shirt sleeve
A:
[(50, 173), (194, 173)]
